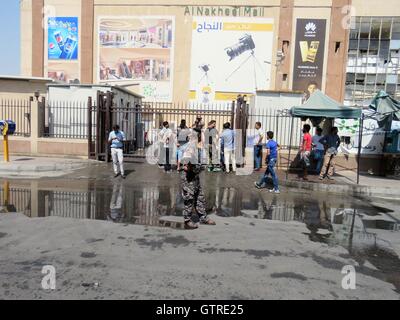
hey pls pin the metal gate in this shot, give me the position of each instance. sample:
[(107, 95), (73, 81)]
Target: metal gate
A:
[(142, 122)]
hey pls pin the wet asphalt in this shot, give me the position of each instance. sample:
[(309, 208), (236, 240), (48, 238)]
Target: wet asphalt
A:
[(144, 212)]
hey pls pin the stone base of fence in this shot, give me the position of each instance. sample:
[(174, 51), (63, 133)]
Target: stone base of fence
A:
[(36, 145)]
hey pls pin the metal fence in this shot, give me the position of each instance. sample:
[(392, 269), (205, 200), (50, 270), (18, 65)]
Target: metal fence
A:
[(70, 120), (67, 120), (279, 122), (18, 111), (153, 115)]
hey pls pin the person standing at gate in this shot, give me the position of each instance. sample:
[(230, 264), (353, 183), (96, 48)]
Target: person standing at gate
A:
[(211, 140), (258, 147), (116, 140), (228, 140), (331, 143), (318, 150), (166, 139), (305, 150), (182, 138)]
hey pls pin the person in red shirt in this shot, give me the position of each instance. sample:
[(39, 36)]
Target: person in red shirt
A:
[(305, 150)]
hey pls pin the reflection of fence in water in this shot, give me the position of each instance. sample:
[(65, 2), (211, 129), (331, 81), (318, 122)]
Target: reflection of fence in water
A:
[(76, 205), (20, 198)]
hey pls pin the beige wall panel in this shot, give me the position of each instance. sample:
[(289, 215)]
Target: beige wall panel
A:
[(375, 8), (313, 3), (20, 89)]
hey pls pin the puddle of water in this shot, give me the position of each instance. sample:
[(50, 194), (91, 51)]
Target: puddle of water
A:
[(349, 223)]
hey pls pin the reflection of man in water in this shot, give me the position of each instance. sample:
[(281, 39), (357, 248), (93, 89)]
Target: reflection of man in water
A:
[(317, 217), (116, 214)]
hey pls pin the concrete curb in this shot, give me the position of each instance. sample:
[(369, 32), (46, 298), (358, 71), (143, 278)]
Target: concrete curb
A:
[(40, 170), (345, 189)]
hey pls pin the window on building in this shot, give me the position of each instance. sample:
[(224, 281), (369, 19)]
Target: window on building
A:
[(373, 59)]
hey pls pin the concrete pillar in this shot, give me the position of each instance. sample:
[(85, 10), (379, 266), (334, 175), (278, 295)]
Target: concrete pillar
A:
[(337, 53), (87, 41), (37, 38), (283, 71)]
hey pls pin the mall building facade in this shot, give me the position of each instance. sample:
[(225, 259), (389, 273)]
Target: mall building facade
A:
[(211, 50)]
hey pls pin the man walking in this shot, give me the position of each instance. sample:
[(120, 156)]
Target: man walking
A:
[(258, 147), (305, 150), (116, 140), (228, 140), (331, 143), (318, 149), (272, 158)]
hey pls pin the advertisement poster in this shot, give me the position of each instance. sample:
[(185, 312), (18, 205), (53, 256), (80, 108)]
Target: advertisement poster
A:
[(309, 55), (138, 51), (63, 38), (230, 56)]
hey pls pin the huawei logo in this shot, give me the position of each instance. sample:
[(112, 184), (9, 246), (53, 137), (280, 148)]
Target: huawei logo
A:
[(311, 27)]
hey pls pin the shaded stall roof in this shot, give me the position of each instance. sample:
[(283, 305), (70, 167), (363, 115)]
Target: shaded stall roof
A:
[(386, 108), (320, 105)]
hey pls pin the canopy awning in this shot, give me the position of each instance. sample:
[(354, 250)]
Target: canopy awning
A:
[(387, 109), (321, 106)]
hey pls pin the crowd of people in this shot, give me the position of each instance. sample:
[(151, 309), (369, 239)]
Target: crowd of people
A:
[(203, 144), (192, 149)]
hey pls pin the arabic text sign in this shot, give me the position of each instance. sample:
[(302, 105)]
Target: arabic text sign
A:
[(63, 38), (373, 136)]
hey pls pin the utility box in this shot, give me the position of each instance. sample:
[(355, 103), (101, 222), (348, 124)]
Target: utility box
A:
[(392, 142), (11, 127)]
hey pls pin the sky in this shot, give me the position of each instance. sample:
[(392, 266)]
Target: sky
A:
[(9, 37)]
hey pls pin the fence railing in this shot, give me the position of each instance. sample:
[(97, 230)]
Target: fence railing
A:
[(18, 111), (70, 120), (67, 120), (280, 122), (174, 113)]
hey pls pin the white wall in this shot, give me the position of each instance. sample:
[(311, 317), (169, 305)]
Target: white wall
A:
[(271, 109)]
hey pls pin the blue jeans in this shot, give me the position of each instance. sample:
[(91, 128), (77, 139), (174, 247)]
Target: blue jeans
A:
[(257, 157), (270, 171), (319, 157)]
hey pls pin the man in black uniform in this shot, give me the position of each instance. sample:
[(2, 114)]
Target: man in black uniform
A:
[(192, 194)]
